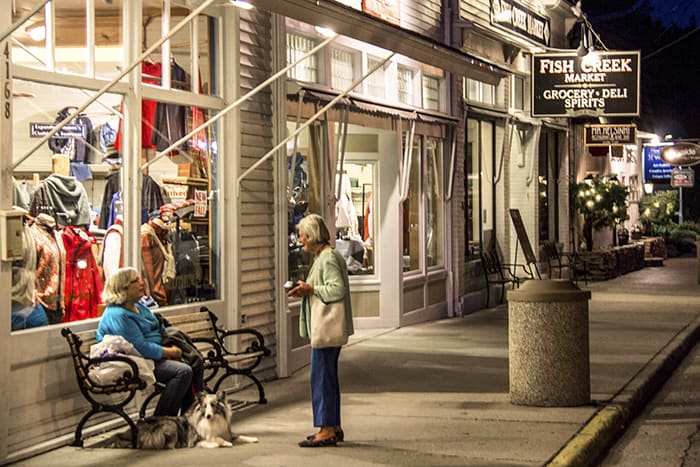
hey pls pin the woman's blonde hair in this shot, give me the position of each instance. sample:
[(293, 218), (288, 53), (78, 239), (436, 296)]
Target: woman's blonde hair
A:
[(314, 227), (114, 292)]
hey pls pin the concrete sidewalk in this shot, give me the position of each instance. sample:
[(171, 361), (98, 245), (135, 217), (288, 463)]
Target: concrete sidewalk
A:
[(436, 394)]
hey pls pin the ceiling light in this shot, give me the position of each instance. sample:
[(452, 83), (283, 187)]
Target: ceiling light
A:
[(242, 4), (37, 31)]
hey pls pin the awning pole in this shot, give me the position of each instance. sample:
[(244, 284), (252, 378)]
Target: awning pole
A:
[(114, 81), (313, 118), (238, 102)]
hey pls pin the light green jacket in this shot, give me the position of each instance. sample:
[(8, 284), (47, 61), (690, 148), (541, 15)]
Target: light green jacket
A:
[(329, 276)]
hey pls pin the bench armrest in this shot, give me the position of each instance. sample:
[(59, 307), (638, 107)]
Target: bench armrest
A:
[(257, 344)]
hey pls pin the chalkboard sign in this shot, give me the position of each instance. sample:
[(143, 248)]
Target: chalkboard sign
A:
[(522, 236)]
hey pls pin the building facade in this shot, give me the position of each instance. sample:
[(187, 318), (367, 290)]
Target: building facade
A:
[(409, 128)]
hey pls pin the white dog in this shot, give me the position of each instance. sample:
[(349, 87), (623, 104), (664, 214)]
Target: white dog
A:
[(206, 424)]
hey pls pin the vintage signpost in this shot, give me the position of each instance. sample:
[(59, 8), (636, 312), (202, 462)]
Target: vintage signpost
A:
[(597, 84)]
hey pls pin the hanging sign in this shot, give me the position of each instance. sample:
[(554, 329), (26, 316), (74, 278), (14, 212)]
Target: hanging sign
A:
[(597, 84), (515, 17), (654, 168), (39, 130), (609, 135), (681, 154), (683, 178), (388, 10)]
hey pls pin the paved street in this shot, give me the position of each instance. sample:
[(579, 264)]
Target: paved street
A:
[(437, 394), (667, 432)]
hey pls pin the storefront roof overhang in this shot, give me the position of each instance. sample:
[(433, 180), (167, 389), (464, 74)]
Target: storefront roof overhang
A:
[(319, 94), (363, 27)]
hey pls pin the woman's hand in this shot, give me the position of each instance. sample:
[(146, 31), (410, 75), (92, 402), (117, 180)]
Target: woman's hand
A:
[(301, 289), (172, 352)]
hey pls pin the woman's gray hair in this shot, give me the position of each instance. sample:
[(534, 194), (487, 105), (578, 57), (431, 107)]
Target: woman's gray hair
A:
[(114, 292), (315, 229)]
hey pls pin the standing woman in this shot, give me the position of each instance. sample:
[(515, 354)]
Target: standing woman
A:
[(125, 316), (327, 281)]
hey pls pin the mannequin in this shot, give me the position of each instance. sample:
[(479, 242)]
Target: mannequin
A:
[(60, 164), (158, 261), (49, 270), (112, 243), (62, 195)]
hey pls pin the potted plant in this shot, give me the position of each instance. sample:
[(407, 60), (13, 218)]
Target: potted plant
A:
[(602, 201)]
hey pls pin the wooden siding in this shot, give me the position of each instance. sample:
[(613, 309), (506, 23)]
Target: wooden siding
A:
[(256, 272), (424, 17)]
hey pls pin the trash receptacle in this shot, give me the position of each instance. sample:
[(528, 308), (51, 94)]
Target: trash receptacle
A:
[(549, 363)]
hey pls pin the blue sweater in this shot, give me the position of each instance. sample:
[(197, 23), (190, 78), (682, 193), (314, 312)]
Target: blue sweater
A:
[(142, 329)]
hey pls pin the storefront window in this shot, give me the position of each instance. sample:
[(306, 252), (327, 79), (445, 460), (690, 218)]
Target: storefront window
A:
[(342, 70), (431, 93), (411, 212), (73, 186), (297, 46), (354, 217), (405, 85), (376, 82), (434, 202), (59, 38), (479, 187), (304, 192)]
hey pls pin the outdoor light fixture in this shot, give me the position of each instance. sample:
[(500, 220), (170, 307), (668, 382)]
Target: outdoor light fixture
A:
[(242, 4), (588, 179), (648, 188)]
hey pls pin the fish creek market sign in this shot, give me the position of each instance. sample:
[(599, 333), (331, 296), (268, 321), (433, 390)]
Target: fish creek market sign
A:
[(598, 84)]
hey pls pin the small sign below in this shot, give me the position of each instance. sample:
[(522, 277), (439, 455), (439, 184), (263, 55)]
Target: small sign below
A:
[(683, 178), (609, 135)]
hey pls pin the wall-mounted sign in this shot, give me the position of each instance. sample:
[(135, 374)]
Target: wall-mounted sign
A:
[(683, 178), (654, 168), (598, 84), (515, 17), (388, 10), (681, 154), (39, 130), (609, 135)]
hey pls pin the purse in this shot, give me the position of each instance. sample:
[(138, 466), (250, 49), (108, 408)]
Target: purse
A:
[(328, 325)]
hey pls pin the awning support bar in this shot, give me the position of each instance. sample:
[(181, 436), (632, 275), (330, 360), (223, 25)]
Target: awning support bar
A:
[(312, 119), (116, 79), (238, 102)]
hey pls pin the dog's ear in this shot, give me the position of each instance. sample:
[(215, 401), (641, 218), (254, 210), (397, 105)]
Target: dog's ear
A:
[(221, 396)]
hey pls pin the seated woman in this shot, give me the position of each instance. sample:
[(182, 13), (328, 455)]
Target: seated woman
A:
[(125, 316)]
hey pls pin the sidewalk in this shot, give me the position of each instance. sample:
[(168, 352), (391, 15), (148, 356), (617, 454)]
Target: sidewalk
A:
[(436, 394)]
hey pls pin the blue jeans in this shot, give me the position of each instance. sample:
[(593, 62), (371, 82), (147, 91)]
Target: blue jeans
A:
[(180, 385), (325, 389)]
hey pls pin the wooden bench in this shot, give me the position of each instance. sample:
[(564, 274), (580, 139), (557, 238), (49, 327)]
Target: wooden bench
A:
[(216, 343), (213, 341), (501, 274)]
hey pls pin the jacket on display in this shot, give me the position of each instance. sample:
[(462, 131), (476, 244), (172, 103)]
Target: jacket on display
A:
[(83, 285), (50, 273), (68, 198)]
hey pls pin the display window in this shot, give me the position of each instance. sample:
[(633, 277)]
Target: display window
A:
[(423, 205), (73, 184), (479, 183)]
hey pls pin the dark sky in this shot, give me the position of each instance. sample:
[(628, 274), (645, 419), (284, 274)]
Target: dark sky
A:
[(667, 34), (676, 11)]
